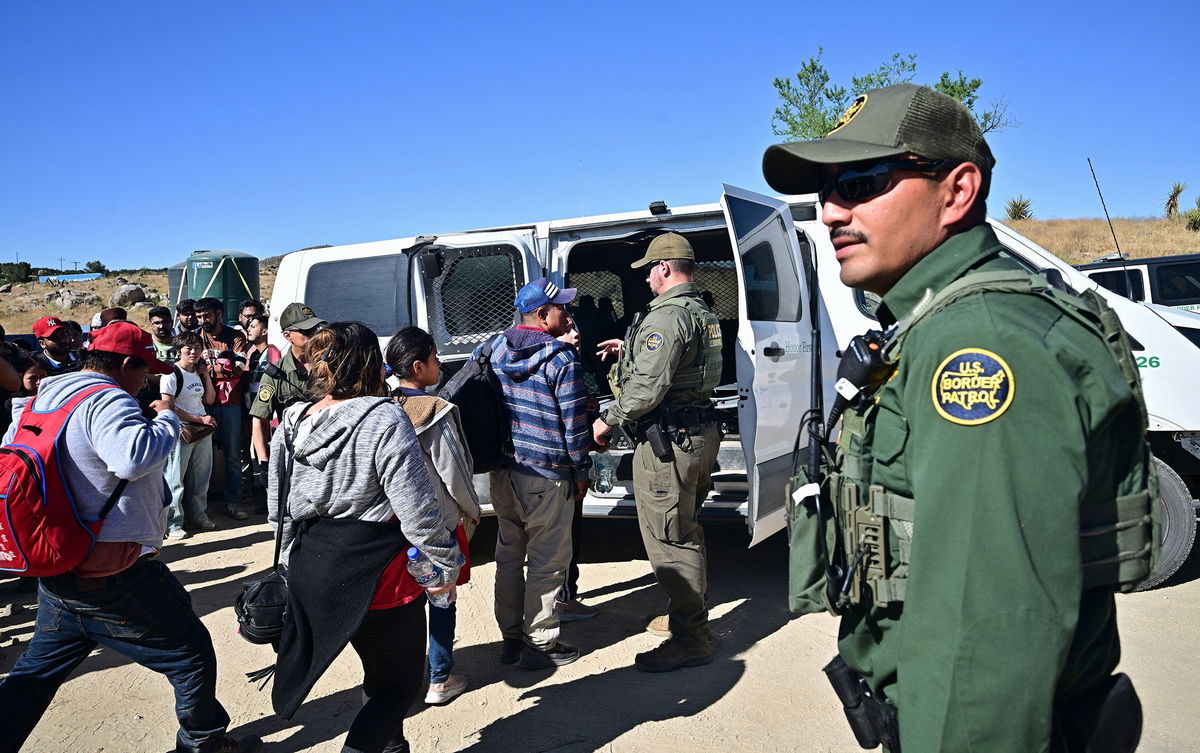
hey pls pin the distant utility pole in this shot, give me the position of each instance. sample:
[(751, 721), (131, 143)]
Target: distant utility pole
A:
[(61, 262), (76, 265)]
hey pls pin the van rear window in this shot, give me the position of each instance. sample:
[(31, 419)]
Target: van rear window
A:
[(372, 290), (1178, 283)]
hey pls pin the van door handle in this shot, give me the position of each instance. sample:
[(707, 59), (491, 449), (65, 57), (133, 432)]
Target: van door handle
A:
[(773, 351)]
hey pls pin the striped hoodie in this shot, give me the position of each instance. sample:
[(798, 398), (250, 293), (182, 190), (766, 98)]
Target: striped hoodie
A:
[(546, 398)]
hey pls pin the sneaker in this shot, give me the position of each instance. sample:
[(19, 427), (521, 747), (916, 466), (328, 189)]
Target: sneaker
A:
[(510, 653), (248, 744), (670, 656), (574, 610), (237, 513), (440, 692), (556, 656), (660, 626), (205, 524), (175, 534)]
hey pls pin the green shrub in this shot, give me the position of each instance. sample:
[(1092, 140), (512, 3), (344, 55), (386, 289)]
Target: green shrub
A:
[(1019, 208), (1191, 219)]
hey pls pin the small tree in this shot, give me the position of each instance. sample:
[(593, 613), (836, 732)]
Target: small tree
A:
[(812, 104), (1172, 203), (1019, 208), (96, 266)]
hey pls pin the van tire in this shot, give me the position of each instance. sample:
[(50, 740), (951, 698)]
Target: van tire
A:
[(1178, 515)]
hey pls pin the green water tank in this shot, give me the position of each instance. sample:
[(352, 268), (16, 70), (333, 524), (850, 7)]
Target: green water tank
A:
[(229, 276)]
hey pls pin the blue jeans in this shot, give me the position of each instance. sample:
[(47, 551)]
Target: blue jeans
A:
[(229, 439), (142, 613), (188, 469), (441, 641)]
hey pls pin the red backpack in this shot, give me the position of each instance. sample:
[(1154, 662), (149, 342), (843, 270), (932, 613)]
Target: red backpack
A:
[(41, 531)]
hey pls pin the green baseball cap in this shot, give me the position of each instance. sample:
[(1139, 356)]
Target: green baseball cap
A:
[(663, 247), (298, 316), (882, 123)]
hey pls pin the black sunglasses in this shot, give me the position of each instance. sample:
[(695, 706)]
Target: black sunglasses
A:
[(860, 182)]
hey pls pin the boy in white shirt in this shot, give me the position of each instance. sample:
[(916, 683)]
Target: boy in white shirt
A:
[(190, 464)]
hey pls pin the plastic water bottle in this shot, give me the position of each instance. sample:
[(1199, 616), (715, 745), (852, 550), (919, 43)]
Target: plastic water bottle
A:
[(426, 574), (604, 472)]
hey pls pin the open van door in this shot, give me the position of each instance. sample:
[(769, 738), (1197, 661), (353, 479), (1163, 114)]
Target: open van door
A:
[(469, 282), (773, 348)]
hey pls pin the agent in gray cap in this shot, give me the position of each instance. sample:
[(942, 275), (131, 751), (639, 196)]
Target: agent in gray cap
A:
[(669, 366), (283, 383), (976, 611)]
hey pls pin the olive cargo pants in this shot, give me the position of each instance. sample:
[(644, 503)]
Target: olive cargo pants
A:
[(668, 497)]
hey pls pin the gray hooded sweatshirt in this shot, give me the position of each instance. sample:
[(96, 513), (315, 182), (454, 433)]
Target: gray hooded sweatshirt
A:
[(106, 439), (358, 459)]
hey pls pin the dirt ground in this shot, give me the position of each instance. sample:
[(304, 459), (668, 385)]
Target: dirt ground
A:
[(764, 691)]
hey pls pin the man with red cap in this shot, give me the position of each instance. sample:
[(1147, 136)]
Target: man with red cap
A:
[(121, 597), (54, 336)]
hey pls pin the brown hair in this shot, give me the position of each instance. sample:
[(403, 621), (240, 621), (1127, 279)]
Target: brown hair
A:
[(344, 362)]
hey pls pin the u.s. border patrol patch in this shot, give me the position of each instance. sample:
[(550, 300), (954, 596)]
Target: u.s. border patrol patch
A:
[(654, 341), (972, 386), (265, 392)]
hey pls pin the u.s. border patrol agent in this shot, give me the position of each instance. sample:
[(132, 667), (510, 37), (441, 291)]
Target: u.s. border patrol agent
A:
[(670, 364), (283, 383), (992, 493)]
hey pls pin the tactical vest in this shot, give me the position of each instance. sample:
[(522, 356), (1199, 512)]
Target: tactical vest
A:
[(874, 526), (702, 373)]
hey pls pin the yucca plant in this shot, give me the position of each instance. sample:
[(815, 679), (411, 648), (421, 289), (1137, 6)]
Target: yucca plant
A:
[(1171, 205), (1019, 208)]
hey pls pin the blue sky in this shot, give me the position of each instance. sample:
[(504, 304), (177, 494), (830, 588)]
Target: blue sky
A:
[(135, 132)]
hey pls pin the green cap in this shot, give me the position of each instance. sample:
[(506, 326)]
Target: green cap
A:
[(298, 316), (665, 246), (889, 122)]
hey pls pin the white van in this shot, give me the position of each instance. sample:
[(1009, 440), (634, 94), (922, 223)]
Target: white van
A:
[(460, 286), (1165, 280)]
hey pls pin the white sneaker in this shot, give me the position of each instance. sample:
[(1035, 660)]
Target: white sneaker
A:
[(175, 534), (440, 692)]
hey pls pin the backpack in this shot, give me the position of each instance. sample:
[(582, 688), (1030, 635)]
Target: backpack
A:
[(475, 389), (41, 531)]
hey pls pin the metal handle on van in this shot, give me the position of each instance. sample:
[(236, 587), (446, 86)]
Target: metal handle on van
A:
[(773, 351)]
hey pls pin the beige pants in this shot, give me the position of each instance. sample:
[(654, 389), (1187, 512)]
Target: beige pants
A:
[(534, 536)]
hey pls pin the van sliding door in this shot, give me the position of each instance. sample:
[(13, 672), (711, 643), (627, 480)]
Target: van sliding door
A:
[(773, 348), (470, 281)]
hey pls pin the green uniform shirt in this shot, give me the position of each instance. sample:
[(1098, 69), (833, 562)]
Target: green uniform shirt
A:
[(276, 394), (668, 338), (1002, 418)]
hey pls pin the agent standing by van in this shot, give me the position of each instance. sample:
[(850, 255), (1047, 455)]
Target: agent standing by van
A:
[(282, 385), (670, 364), (980, 614)]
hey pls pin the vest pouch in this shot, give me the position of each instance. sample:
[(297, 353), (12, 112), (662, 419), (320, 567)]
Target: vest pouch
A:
[(806, 569), (890, 436), (1116, 541)]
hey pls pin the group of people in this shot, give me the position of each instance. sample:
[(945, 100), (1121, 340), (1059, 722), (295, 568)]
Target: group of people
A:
[(973, 620)]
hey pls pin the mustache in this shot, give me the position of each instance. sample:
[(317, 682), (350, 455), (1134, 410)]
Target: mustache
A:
[(848, 233)]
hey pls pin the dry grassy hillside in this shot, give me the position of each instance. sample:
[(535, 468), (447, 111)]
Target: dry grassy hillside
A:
[(1083, 241), (1077, 241)]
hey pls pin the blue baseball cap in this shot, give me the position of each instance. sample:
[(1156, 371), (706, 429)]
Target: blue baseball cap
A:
[(540, 292)]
